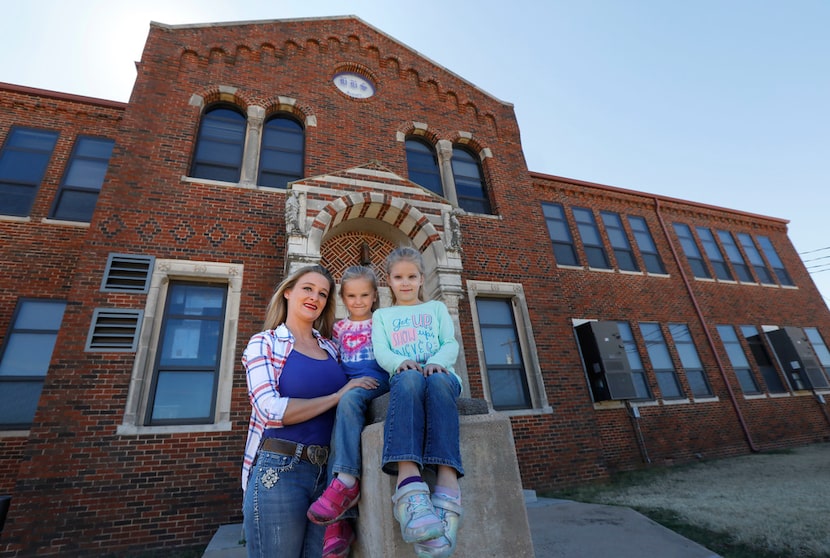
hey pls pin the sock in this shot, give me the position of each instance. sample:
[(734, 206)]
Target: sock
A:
[(347, 479), (450, 493), (410, 480)]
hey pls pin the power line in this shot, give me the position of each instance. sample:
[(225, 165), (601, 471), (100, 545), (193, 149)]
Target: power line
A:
[(816, 250)]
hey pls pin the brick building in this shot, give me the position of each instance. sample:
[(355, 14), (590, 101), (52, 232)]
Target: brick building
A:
[(142, 240)]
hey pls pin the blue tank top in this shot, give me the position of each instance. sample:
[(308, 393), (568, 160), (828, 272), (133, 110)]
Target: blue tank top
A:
[(305, 378)]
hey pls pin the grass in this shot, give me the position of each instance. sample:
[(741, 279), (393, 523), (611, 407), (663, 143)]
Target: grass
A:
[(765, 505)]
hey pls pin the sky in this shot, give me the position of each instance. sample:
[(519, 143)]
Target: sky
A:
[(722, 102)]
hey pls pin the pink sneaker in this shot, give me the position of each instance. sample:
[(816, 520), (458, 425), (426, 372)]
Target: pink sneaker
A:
[(338, 539), (336, 500)]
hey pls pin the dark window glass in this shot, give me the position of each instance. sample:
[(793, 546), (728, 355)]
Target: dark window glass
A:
[(469, 182), (820, 348), (23, 163), (586, 224), (282, 152), (689, 358), (422, 163), (738, 359), (560, 234), (658, 354), (710, 246), (619, 241), (775, 261), (645, 242), (638, 374), (693, 256), (502, 354), (219, 145), (186, 374), (755, 259), (84, 177), (25, 359), (735, 257), (768, 372)]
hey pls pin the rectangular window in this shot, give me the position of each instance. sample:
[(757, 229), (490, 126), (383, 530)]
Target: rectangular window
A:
[(25, 359), (23, 163), (707, 239), (638, 374), (586, 224), (689, 358), (186, 371), (661, 363), (775, 261), (735, 257), (645, 242), (755, 259), (762, 358), (693, 256), (619, 241), (820, 348), (502, 354), (560, 234), (738, 359), (84, 177)]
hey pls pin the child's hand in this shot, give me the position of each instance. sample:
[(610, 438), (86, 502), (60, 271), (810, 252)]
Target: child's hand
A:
[(431, 369), (409, 365)]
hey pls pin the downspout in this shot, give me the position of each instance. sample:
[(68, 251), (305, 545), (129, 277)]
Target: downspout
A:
[(702, 319)]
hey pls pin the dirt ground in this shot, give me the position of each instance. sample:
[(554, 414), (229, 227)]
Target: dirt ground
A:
[(778, 500)]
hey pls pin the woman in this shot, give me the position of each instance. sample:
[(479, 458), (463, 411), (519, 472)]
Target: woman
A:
[(294, 384)]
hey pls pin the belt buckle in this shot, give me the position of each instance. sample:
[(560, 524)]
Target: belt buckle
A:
[(318, 455)]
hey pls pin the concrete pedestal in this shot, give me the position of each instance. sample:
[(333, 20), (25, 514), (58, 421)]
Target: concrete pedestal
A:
[(495, 519)]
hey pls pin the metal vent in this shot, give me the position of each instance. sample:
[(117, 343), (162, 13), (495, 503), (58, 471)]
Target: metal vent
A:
[(114, 330), (127, 273)]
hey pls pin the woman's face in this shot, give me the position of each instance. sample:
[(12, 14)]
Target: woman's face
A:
[(308, 297)]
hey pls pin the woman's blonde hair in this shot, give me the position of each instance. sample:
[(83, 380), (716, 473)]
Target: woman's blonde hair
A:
[(277, 310), (406, 254), (360, 272)]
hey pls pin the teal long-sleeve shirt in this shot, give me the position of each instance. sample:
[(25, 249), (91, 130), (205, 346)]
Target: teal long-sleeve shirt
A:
[(421, 332)]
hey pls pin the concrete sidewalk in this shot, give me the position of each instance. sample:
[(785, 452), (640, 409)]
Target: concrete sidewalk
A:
[(559, 529), (566, 529)]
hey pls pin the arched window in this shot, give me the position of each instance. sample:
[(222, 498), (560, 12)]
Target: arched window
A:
[(219, 144), (469, 182), (283, 152), (423, 165)]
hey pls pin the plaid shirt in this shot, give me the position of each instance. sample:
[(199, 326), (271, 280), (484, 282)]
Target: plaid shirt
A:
[(264, 359)]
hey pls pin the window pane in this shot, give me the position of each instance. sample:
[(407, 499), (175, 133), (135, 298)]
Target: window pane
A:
[(28, 354), (190, 343), (37, 314), (218, 153), (774, 260), (18, 402), (503, 362), (690, 249), (715, 255), (183, 395), (469, 182), (755, 258), (560, 234), (645, 242), (422, 164), (507, 388), (283, 152), (73, 205)]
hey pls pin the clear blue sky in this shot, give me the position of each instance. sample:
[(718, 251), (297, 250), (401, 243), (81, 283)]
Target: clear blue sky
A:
[(723, 102)]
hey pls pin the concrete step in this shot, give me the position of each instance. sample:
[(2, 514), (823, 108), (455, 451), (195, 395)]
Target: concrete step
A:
[(227, 542)]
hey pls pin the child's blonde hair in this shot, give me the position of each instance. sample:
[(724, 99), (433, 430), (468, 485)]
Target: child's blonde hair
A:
[(406, 254), (277, 310), (360, 272)]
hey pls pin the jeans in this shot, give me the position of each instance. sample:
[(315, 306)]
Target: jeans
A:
[(348, 426), (422, 421), (279, 492)]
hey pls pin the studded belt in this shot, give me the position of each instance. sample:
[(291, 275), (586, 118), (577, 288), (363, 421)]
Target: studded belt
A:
[(318, 455)]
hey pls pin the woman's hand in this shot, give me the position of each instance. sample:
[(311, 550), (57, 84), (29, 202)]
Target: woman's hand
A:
[(365, 382)]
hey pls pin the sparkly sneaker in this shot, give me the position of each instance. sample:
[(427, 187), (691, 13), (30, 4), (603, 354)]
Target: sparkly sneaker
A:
[(338, 539), (450, 512), (336, 500), (413, 510)]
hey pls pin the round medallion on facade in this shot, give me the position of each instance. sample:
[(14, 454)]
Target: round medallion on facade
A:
[(354, 85)]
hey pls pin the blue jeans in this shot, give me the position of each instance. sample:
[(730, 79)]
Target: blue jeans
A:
[(348, 426), (422, 421), (279, 492)]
